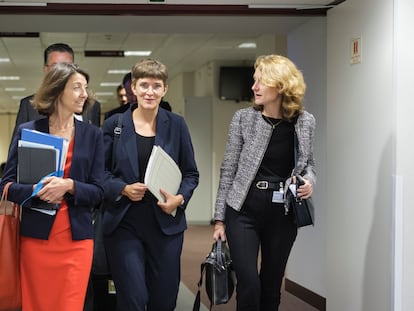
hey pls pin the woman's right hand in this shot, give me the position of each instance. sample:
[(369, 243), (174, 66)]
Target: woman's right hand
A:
[(135, 192), (219, 231)]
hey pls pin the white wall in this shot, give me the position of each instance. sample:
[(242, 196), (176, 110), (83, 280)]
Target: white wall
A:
[(361, 117), (198, 115), (306, 46), (7, 122), (404, 68)]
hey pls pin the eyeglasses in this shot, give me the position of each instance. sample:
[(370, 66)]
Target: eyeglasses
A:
[(144, 87)]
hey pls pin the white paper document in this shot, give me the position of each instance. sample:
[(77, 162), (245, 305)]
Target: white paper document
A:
[(162, 172)]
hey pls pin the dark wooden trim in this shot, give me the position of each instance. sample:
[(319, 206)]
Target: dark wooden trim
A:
[(154, 10), (306, 295)]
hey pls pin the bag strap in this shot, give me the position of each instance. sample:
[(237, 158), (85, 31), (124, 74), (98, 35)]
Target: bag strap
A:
[(4, 197), (196, 306), (219, 256), (218, 263), (117, 133), (15, 207)]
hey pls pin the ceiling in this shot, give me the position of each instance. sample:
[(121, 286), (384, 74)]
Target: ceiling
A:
[(184, 39)]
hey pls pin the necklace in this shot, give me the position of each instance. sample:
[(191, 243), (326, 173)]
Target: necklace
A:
[(274, 125)]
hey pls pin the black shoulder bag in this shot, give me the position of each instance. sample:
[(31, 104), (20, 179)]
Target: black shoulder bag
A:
[(302, 209), (219, 274)]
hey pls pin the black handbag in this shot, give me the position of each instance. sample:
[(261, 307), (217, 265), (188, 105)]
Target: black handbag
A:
[(303, 209), (219, 274)]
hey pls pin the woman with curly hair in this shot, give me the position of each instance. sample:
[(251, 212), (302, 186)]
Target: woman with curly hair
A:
[(268, 143)]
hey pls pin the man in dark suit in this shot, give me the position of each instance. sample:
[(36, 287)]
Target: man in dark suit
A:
[(53, 54), (131, 98)]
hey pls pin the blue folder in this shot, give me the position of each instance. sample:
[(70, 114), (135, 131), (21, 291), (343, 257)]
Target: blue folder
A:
[(60, 143)]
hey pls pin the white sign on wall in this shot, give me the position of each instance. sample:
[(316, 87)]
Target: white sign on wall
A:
[(356, 49)]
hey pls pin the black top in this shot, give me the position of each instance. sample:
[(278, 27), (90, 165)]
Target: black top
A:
[(145, 145), (278, 159)]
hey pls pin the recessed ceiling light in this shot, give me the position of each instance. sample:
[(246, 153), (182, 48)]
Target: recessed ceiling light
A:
[(9, 78), (247, 45), (9, 3), (104, 93), (4, 60), (15, 89), (137, 53), (109, 83), (118, 71)]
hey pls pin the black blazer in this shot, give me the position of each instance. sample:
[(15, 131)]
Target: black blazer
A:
[(173, 136), (27, 113), (119, 109), (86, 170)]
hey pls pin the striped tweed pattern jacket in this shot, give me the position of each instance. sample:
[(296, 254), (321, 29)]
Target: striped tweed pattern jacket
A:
[(248, 138)]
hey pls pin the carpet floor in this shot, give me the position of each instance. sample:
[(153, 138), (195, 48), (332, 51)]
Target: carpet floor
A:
[(197, 244)]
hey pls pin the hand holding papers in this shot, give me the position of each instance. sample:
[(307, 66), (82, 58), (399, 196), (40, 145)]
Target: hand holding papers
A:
[(162, 172)]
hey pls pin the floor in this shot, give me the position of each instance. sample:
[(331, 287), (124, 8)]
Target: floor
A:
[(197, 244)]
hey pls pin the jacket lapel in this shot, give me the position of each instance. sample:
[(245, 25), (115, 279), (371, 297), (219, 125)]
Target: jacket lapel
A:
[(162, 128), (127, 141)]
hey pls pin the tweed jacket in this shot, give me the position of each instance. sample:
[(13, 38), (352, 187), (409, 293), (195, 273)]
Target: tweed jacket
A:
[(248, 139)]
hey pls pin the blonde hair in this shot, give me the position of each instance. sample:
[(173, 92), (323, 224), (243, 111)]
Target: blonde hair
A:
[(280, 72)]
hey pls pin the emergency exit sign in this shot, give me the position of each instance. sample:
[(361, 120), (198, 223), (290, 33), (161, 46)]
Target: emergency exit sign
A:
[(356, 50)]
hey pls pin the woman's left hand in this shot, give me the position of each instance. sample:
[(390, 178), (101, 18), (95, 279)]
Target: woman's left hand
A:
[(172, 202), (305, 191), (54, 188)]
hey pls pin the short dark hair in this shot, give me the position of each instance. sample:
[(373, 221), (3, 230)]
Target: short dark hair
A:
[(127, 78), (149, 68), (58, 47), (119, 88)]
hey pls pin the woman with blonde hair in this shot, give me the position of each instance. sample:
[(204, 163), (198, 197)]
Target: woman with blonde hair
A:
[(267, 144)]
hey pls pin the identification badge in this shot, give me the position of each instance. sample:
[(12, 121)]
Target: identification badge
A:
[(277, 197)]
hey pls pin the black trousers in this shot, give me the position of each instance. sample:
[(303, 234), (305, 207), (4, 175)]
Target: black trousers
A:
[(263, 225), (145, 263)]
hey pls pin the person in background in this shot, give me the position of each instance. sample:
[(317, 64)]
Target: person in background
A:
[(53, 54), (267, 144), (166, 105), (144, 237), (130, 97), (121, 95), (56, 248)]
